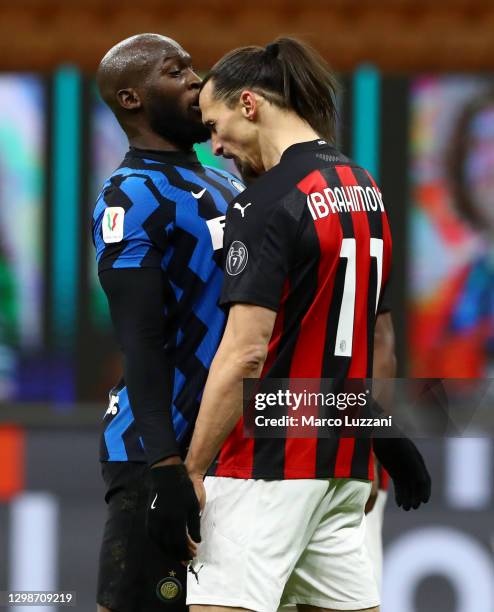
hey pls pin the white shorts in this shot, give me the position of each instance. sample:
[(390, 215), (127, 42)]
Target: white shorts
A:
[(270, 543), (373, 535)]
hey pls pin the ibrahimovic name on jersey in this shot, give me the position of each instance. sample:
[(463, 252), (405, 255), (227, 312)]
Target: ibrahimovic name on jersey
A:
[(311, 240)]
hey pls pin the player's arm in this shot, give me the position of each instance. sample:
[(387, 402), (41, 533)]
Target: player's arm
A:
[(384, 367), (259, 252), (137, 306), (135, 298), (241, 354), (399, 456)]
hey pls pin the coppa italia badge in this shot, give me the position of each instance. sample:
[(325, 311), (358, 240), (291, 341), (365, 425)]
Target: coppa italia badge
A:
[(113, 224), (237, 258)]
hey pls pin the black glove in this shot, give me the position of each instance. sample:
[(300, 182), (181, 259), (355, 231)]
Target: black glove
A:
[(401, 458), (173, 510)]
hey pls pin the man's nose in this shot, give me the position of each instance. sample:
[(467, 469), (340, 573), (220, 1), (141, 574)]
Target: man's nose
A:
[(194, 80), (216, 145)]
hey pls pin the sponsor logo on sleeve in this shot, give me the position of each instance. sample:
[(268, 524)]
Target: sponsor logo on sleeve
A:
[(113, 224), (237, 258)]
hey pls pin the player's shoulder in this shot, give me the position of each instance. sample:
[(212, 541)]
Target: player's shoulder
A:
[(227, 177), (268, 200), (132, 183), (357, 172), (275, 190)]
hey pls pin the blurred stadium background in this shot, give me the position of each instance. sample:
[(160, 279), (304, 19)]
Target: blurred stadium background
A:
[(416, 108)]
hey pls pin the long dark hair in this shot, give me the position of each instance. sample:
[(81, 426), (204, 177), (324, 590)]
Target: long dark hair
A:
[(288, 73)]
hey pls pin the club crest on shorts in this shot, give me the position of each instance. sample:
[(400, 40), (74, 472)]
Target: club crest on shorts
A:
[(237, 258), (169, 589)]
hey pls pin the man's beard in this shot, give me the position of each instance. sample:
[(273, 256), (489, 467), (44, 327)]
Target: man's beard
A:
[(171, 122), (247, 172)]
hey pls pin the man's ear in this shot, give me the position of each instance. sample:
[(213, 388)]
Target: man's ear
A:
[(129, 99), (249, 104)]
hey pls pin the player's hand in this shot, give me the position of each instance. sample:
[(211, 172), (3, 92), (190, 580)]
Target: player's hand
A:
[(371, 502), (405, 465), (198, 482), (173, 511)]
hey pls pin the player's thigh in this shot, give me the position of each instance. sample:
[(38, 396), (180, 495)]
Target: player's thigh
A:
[(373, 534), (252, 535), (134, 574), (335, 571)]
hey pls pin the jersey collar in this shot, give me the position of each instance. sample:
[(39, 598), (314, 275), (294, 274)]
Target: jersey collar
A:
[(304, 147), (168, 157)]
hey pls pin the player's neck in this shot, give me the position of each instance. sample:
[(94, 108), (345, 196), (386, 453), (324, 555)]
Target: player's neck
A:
[(150, 140), (288, 129)]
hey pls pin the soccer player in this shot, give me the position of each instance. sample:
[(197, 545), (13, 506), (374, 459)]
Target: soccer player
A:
[(384, 366), (308, 254), (158, 232)]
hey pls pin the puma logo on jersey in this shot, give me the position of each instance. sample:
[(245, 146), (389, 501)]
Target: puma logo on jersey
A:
[(241, 208)]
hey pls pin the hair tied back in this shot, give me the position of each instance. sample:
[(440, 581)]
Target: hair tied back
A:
[(271, 51)]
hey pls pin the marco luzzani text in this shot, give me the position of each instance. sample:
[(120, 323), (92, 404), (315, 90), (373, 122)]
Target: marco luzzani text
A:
[(298, 402)]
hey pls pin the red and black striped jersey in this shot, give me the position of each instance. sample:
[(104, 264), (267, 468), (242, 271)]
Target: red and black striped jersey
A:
[(310, 239), (383, 478)]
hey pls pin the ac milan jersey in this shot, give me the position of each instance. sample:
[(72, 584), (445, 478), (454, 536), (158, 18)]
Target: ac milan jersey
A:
[(310, 239)]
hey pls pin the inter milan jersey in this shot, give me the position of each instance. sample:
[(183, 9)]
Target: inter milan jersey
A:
[(310, 239), (165, 210)]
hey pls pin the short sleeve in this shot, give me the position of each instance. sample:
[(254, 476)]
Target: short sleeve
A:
[(259, 247), (130, 223)]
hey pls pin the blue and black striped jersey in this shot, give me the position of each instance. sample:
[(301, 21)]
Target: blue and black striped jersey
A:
[(165, 210)]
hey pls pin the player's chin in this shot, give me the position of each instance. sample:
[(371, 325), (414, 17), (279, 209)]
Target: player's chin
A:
[(199, 131), (195, 112)]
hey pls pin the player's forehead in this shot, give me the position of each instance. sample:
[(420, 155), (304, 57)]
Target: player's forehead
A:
[(210, 105), (169, 51)]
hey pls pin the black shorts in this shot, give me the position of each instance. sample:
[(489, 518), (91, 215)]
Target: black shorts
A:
[(134, 575)]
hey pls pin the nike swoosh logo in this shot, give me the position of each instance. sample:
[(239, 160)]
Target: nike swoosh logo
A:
[(153, 505), (199, 194)]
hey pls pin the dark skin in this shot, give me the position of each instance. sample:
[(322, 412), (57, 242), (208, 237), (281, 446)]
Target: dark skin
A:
[(149, 84)]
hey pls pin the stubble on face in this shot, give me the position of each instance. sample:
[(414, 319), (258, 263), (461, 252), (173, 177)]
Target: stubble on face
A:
[(169, 108)]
